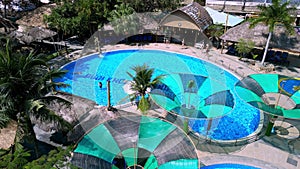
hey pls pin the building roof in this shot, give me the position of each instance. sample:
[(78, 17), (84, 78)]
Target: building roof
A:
[(237, 6), (193, 13), (259, 34)]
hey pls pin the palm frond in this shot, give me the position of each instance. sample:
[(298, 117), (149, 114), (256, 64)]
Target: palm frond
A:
[(51, 98), (41, 112), (4, 119)]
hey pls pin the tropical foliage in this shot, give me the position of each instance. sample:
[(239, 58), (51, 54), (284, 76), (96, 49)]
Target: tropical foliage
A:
[(142, 82), (244, 47), (84, 17), (57, 158), (81, 17), (123, 20), (279, 12), (26, 89), (153, 5), (214, 32)]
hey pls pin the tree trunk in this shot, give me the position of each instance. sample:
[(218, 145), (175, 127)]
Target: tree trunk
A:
[(244, 3), (266, 49), (25, 132), (224, 6), (186, 125)]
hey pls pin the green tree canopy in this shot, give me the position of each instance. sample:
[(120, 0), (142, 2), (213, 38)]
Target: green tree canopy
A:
[(84, 17), (123, 20), (243, 47), (153, 5), (277, 13), (81, 17)]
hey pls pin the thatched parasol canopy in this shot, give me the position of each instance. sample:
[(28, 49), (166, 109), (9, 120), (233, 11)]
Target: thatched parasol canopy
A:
[(33, 34), (259, 34), (39, 33), (35, 17)]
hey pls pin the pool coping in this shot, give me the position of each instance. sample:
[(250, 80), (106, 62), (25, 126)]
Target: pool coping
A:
[(254, 136), (206, 57)]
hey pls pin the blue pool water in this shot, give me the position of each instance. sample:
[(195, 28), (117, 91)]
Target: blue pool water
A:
[(229, 166), (84, 75)]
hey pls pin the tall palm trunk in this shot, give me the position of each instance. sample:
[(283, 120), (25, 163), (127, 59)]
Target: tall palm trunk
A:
[(5, 13), (25, 132), (244, 4), (266, 49), (224, 5)]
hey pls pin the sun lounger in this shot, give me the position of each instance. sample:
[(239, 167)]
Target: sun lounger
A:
[(199, 45), (284, 57), (270, 55), (280, 58)]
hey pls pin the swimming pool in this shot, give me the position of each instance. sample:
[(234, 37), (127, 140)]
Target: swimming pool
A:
[(84, 75), (229, 166)]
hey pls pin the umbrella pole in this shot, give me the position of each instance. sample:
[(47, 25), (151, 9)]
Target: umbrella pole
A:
[(108, 95), (273, 118), (224, 33), (208, 126)]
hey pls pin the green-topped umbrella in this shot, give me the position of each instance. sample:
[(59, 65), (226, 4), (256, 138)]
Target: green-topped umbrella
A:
[(275, 94), (136, 142), (193, 96)]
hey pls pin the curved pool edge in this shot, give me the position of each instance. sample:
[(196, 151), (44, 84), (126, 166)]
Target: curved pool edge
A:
[(241, 141), (211, 61), (237, 159)]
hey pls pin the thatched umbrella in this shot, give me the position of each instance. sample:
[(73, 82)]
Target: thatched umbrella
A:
[(259, 34), (35, 18), (39, 33), (22, 37), (33, 34)]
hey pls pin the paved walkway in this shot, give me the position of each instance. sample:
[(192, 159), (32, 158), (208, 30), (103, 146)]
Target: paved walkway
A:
[(278, 151)]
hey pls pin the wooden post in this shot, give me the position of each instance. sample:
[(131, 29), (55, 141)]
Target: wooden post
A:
[(108, 94), (208, 126), (224, 33)]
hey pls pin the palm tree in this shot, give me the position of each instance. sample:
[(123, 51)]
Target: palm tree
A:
[(244, 47), (224, 5), (187, 110), (191, 84), (26, 89), (141, 84), (215, 31), (277, 13), (124, 20)]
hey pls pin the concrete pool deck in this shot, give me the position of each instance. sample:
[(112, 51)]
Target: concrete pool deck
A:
[(273, 152)]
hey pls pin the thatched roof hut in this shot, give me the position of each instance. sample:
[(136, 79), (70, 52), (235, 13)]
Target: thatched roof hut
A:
[(259, 34), (192, 16)]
